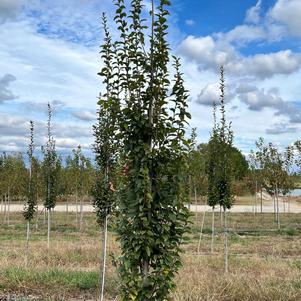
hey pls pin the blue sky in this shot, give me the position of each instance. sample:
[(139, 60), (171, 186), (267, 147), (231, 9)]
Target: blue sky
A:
[(49, 53)]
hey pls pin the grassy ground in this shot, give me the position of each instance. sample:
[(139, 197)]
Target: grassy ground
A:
[(265, 264)]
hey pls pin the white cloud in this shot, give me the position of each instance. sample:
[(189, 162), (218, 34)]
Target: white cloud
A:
[(288, 12), (257, 99), (206, 52), (211, 93), (85, 115), (210, 54), (253, 14), (266, 65)]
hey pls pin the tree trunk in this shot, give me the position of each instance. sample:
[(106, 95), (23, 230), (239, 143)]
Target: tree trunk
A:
[(278, 216), (256, 197), (275, 210), (226, 241), (196, 206), (48, 228), (8, 206), (27, 243), (201, 232), (212, 232), (37, 217), (76, 212), (45, 215), (81, 214), (5, 202), (221, 216), (261, 199), (103, 258)]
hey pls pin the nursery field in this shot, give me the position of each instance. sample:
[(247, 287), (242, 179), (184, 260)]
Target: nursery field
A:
[(264, 263)]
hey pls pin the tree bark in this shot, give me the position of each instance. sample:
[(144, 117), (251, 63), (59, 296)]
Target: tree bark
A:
[(27, 243), (277, 204), (81, 214), (196, 206), (103, 258), (212, 232), (8, 206), (201, 232), (256, 196), (261, 199), (226, 241), (49, 227)]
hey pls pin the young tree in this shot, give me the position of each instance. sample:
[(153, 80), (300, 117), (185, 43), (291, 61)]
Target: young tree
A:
[(51, 166), (224, 170), (106, 148), (220, 165), (211, 169), (152, 214), (274, 172), (31, 201)]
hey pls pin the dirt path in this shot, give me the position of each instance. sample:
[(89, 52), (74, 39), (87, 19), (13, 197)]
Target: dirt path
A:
[(267, 208)]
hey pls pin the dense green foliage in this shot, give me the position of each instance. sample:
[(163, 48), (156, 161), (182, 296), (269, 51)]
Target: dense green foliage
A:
[(31, 202), (51, 167), (106, 143), (152, 217), (219, 161)]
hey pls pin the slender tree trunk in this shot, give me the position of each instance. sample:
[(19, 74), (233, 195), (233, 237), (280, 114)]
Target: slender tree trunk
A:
[(45, 215), (226, 241), (261, 199), (37, 217), (275, 210), (8, 206), (49, 227), (103, 258), (212, 232), (27, 243), (76, 212), (256, 188), (190, 198), (5, 202), (81, 214), (201, 232), (221, 216), (196, 206), (278, 216)]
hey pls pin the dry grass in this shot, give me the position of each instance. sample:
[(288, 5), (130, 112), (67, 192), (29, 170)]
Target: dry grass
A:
[(265, 264)]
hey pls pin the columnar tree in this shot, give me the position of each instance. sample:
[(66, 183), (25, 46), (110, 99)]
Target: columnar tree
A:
[(106, 148), (31, 200), (224, 170), (152, 215), (51, 165), (211, 168), (220, 165)]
